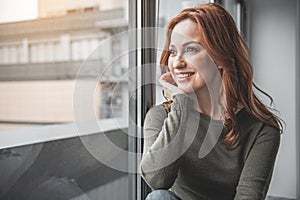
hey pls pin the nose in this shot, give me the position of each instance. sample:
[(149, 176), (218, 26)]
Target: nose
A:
[(179, 62)]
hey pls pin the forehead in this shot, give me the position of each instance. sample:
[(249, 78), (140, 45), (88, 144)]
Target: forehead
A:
[(185, 30)]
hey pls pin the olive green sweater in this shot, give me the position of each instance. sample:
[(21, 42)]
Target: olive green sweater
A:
[(183, 152)]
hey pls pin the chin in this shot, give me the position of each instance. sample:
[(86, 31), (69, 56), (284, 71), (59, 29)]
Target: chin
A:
[(190, 90), (187, 90)]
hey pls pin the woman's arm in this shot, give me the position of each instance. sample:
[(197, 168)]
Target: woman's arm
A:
[(163, 141), (258, 168)]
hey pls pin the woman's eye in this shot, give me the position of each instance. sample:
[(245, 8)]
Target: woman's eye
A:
[(172, 52), (191, 50)]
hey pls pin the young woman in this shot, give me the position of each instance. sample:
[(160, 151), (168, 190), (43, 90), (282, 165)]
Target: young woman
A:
[(213, 138)]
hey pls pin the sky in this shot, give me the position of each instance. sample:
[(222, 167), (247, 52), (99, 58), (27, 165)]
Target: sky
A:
[(17, 10)]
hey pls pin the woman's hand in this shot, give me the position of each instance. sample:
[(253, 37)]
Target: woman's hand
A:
[(169, 86)]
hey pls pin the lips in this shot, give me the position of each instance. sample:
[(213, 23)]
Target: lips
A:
[(184, 75)]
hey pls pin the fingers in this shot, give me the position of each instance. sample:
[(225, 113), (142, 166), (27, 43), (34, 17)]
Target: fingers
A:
[(167, 95), (167, 77), (169, 86), (170, 90)]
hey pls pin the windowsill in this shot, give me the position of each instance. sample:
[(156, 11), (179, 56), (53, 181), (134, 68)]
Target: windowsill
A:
[(25, 136)]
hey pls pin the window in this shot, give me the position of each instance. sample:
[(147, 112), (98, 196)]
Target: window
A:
[(64, 103)]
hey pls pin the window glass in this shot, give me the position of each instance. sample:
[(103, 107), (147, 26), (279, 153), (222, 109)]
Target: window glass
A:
[(39, 59), (64, 101)]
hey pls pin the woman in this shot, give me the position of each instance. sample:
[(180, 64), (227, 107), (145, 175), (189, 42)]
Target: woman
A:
[(213, 138)]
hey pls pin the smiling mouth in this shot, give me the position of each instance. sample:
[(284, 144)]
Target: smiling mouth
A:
[(184, 75)]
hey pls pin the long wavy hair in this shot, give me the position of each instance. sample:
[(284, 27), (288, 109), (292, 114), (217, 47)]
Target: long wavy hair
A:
[(221, 39)]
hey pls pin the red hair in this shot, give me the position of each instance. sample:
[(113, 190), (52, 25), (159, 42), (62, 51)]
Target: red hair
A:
[(221, 39)]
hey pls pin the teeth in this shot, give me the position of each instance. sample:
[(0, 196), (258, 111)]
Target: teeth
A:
[(184, 75)]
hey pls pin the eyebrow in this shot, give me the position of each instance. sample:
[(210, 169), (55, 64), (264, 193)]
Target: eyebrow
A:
[(187, 43)]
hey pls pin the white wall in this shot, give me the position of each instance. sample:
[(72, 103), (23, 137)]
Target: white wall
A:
[(273, 48)]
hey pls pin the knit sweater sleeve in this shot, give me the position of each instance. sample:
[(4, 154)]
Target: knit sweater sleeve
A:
[(258, 168), (163, 141)]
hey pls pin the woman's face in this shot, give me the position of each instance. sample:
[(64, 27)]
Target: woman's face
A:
[(190, 65)]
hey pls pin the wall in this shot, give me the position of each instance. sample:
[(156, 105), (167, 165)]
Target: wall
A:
[(273, 50), (31, 102), (50, 8)]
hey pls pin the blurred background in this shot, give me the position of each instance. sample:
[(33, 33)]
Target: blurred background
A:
[(43, 45)]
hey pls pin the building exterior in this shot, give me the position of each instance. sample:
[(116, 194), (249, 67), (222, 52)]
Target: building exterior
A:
[(50, 8), (39, 61)]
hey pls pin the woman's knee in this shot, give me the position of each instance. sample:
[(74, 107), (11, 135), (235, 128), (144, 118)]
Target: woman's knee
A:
[(162, 194)]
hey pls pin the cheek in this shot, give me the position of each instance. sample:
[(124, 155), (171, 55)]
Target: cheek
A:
[(198, 61), (170, 63), (170, 66), (204, 63)]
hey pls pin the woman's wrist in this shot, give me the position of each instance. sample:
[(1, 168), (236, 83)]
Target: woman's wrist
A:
[(181, 102)]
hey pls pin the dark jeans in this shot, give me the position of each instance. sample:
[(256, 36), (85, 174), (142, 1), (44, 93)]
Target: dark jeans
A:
[(162, 195)]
